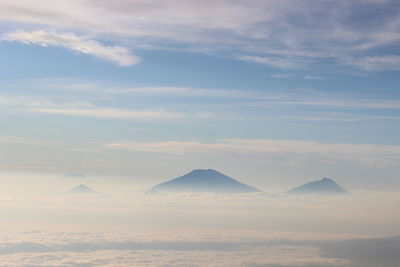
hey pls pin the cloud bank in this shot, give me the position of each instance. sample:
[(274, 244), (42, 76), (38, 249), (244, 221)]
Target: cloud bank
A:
[(131, 230)]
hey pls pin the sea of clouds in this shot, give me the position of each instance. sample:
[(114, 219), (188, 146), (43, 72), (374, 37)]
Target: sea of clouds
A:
[(140, 229)]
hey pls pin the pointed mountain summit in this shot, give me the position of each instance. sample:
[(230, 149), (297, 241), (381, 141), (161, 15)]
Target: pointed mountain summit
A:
[(204, 181), (323, 186), (82, 189)]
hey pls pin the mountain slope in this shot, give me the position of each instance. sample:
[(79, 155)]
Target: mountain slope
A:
[(323, 186), (82, 189), (202, 180)]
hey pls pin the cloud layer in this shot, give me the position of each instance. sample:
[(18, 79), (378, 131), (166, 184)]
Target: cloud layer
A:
[(112, 113), (276, 150), (133, 229), (118, 54), (281, 34)]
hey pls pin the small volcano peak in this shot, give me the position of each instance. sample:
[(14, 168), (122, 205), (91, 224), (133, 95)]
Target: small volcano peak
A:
[(323, 186), (199, 170), (204, 180), (204, 170), (82, 189)]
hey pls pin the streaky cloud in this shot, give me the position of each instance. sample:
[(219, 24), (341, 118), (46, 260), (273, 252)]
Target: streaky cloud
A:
[(111, 113), (118, 54), (284, 33), (274, 150)]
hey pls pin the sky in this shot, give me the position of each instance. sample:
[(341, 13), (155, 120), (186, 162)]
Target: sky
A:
[(273, 93), (123, 95)]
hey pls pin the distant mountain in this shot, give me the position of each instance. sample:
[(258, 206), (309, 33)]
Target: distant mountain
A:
[(202, 180), (323, 186), (82, 189)]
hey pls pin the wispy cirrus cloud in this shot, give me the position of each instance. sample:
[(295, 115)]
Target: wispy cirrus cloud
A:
[(284, 33), (274, 150), (340, 117), (112, 113), (277, 62), (248, 97), (118, 54), (16, 140), (333, 102), (84, 108), (376, 63)]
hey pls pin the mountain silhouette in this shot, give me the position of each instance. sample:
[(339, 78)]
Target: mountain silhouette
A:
[(82, 189), (323, 186), (202, 181)]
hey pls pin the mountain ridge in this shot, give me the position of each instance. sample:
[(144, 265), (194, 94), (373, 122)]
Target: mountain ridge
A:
[(203, 181), (323, 186), (82, 189)]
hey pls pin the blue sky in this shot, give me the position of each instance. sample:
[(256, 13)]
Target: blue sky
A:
[(273, 92)]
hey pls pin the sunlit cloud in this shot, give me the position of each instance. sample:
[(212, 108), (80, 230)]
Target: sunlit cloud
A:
[(376, 63), (118, 54), (112, 113), (281, 63), (85, 108), (243, 98), (139, 236), (287, 31)]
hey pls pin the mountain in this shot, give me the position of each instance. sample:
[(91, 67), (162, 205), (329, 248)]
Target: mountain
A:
[(323, 186), (202, 180), (82, 189)]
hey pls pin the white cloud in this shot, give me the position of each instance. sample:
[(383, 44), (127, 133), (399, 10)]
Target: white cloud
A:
[(282, 76), (276, 256), (118, 54), (25, 141), (288, 31), (111, 113), (34, 101), (343, 117), (309, 77), (135, 229), (15, 139), (333, 101), (87, 109), (275, 150), (376, 63), (282, 63), (168, 91)]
